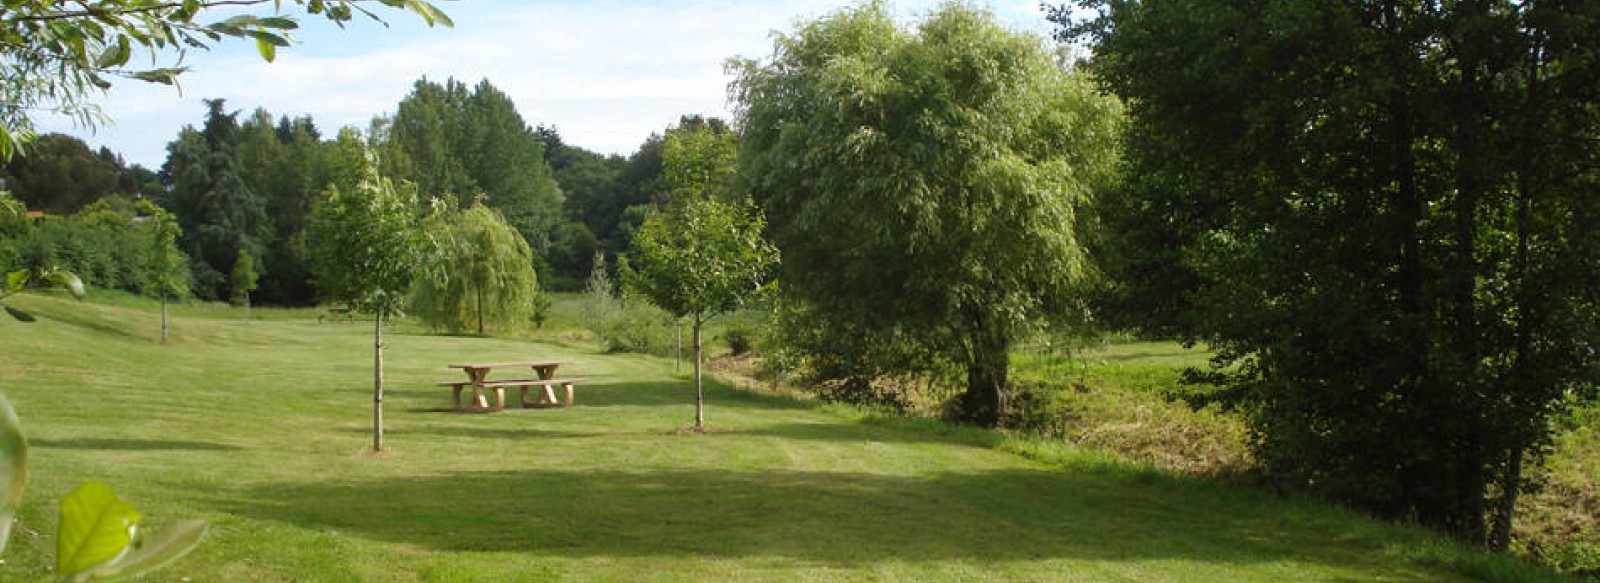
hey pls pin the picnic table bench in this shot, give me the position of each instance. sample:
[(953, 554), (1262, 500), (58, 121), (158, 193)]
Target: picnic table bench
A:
[(477, 380)]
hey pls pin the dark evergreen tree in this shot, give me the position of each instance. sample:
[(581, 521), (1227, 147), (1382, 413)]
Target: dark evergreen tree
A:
[(216, 209)]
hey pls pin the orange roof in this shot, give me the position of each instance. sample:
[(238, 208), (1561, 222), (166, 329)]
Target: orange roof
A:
[(36, 214)]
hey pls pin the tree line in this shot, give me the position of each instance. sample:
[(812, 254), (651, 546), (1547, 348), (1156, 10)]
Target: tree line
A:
[(247, 184)]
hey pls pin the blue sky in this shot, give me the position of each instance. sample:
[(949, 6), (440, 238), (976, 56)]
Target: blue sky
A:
[(606, 73)]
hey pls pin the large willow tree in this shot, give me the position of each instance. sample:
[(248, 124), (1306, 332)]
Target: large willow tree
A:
[(924, 185)]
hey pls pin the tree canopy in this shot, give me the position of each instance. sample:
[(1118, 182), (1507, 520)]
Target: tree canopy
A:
[(1381, 215), (924, 185), (59, 55), (480, 272)]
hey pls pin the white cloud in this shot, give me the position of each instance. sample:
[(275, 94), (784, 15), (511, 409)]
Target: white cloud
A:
[(607, 73)]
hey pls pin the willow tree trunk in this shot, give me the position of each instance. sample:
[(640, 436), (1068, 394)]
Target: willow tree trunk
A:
[(988, 364), (377, 382)]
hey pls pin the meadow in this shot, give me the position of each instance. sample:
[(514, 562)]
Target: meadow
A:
[(263, 429)]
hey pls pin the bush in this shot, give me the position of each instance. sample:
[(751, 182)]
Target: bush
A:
[(1035, 408), (641, 328), (740, 341)]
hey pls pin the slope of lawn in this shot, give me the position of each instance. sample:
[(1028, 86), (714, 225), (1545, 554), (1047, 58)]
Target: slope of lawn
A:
[(263, 428)]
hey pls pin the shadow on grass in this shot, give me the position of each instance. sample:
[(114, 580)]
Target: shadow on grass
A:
[(1139, 356), (837, 518), (130, 444), (481, 432), (855, 433)]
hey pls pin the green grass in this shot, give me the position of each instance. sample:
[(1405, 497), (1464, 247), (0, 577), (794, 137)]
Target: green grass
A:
[(263, 429)]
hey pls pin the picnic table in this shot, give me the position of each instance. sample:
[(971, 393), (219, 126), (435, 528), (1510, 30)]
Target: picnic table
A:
[(478, 381)]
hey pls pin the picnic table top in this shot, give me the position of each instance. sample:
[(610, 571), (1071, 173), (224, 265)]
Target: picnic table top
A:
[(512, 363)]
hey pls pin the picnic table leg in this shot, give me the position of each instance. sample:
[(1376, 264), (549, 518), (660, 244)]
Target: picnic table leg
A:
[(569, 393), (455, 395), (477, 375)]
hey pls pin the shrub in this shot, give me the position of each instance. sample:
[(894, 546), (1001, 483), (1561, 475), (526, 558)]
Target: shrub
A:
[(740, 341)]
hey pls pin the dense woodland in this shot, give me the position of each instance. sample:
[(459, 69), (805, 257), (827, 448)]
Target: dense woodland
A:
[(1379, 215)]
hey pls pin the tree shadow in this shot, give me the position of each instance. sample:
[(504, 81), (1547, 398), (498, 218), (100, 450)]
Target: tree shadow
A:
[(130, 444), (853, 433), (835, 518), (478, 433)]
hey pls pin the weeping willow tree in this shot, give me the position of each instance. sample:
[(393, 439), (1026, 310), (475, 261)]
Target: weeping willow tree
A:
[(480, 273)]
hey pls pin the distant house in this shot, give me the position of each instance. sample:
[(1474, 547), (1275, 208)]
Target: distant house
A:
[(35, 214)]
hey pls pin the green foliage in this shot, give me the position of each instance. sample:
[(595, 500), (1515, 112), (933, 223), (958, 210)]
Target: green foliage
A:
[(219, 212), (740, 341), (287, 167), (366, 246), (166, 265), (925, 185), (58, 56), (60, 175), (480, 272), (242, 279), (700, 160), (702, 257), (462, 144), (1381, 215)]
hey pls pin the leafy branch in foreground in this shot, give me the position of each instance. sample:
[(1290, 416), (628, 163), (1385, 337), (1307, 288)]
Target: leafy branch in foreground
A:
[(55, 56)]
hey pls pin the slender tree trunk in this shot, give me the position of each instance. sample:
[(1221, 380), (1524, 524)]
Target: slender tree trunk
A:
[(377, 381), (163, 317), (479, 295), (699, 385), (247, 306)]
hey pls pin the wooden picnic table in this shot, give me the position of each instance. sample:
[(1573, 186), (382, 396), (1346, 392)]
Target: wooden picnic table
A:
[(477, 379)]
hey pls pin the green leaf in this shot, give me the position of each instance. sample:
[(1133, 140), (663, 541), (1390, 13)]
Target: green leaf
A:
[(67, 280), (165, 76), (13, 466), (96, 527), (19, 314), (278, 22), (152, 552), (16, 280), (115, 55), (267, 50)]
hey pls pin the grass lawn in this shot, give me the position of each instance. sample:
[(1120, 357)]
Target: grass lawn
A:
[(263, 428)]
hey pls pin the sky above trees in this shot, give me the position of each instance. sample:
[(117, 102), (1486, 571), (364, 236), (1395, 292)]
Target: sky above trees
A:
[(607, 74)]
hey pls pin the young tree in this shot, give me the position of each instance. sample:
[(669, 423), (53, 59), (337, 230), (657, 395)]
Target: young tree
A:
[(1384, 216), (59, 55), (480, 271), (366, 250), (169, 276), (242, 280), (700, 258), (925, 186)]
